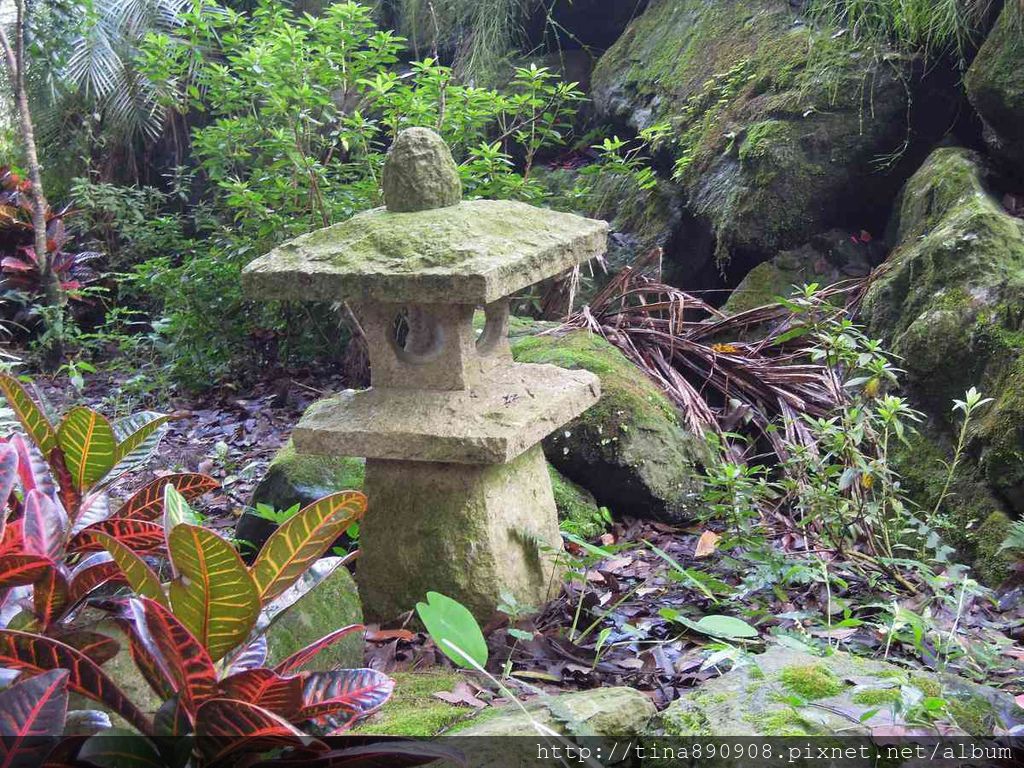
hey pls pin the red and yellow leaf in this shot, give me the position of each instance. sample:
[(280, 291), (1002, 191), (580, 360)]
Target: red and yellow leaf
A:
[(44, 525), (98, 647), (213, 594), (185, 660), (137, 535), (226, 726), (17, 570), (359, 691), (267, 689), (31, 418), (35, 653), (148, 502), (303, 539), (136, 572), (8, 475), (32, 715), (50, 597), (87, 441), (95, 570), (302, 657)]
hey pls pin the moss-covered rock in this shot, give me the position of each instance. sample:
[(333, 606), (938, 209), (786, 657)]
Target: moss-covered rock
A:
[(630, 449), (615, 712), (786, 692), (293, 478), (828, 258), (330, 605), (996, 88), (578, 512), (950, 303), (775, 122)]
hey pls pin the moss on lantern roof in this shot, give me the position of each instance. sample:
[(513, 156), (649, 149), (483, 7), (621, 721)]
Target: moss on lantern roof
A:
[(474, 252)]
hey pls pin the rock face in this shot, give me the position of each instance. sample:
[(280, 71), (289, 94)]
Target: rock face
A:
[(950, 303), (757, 699), (330, 605), (775, 124), (995, 85), (629, 450)]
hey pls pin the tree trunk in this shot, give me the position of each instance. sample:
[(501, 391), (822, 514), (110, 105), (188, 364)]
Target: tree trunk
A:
[(52, 295)]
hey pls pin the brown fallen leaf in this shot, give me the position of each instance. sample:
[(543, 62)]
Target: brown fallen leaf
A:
[(462, 694), (381, 635), (706, 544)]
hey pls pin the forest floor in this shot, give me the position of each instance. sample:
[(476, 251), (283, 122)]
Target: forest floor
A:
[(627, 615)]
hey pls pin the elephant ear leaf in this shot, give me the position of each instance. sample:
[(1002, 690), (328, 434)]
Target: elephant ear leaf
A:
[(213, 594), (303, 539), (89, 446), (31, 716), (31, 418)]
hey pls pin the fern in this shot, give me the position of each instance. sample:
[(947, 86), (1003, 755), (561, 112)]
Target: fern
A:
[(1014, 538)]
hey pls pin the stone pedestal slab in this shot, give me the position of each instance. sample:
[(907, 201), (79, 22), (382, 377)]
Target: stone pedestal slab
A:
[(473, 531)]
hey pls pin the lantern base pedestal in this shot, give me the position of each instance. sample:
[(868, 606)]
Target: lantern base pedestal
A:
[(471, 532)]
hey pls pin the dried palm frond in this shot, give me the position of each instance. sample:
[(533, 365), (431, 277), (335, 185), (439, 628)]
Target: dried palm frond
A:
[(720, 370)]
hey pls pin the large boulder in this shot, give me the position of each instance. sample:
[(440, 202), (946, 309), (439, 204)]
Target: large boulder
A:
[(949, 302), (776, 123), (789, 692), (629, 450), (995, 85)]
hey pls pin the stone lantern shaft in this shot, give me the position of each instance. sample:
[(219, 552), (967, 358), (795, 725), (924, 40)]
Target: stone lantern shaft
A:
[(460, 499)]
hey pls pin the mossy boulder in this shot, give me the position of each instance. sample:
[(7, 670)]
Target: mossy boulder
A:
[(294, 478), (996, 88), (950, 303), (330, 605), (629, 450), (788, 692), (775, 121), (828, 258), (578, 512)]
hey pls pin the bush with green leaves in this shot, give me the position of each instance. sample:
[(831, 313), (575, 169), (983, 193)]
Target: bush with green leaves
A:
[(292, 117)]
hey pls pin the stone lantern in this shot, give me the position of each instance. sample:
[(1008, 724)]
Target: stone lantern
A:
[(460, 499)]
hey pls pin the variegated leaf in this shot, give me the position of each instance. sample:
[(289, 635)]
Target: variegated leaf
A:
[(213, 594), (303, 539), (89, 446), (29, 415)]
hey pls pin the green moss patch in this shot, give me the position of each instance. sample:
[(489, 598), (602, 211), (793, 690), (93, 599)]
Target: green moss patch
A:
[(811, 681), (414, 710)]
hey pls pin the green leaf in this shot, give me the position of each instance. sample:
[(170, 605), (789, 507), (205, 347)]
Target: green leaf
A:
[(140, 577), (31, 418), (716, 625), (176, 512), (87, 441), (213, 596), (450, 623)]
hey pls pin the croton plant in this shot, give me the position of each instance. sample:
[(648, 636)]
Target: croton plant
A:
[(193, 613)]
